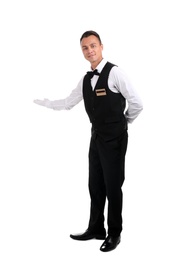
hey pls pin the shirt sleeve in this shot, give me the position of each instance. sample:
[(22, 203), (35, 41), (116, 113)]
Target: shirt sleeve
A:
[(69, 102), (124, 86)]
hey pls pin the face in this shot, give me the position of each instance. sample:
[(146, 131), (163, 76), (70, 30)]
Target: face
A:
[(92, 50)]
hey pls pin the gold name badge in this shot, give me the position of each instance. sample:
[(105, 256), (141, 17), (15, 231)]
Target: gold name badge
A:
[(101, 92)]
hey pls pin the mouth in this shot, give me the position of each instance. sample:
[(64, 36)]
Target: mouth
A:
[(91, 56)]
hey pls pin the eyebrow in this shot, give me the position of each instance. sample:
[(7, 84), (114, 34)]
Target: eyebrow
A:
[(83, 46)]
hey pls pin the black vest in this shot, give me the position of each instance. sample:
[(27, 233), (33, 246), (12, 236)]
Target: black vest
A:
[(104, 107)]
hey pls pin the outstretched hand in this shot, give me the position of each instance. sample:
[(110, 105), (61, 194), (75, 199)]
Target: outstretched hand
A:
[(45, 102)]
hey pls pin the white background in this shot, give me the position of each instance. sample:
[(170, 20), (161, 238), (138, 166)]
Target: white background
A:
[(44, 153)]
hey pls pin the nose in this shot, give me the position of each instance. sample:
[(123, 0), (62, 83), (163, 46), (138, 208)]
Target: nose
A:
[(89, 49)]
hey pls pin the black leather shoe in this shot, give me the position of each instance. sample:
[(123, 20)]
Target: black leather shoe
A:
[(89, 235), (110, 243)]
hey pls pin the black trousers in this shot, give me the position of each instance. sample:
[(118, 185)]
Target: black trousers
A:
[(106, 177)]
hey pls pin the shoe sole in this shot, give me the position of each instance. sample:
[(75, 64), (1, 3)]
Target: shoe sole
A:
[(100, 237), (89, 238)]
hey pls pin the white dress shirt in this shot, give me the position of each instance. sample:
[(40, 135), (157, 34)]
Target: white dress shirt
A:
[(118, 82)]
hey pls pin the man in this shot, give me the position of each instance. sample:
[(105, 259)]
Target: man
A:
[(106, 91)]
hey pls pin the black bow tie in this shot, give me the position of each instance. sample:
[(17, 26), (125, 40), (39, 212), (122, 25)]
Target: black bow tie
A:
[(92, 73)]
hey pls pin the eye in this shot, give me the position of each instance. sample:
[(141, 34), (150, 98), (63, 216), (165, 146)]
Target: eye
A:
[(93, 46), (84, 48)]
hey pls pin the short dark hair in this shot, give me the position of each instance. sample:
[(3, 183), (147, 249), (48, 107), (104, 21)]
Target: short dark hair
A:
[(89, 33)]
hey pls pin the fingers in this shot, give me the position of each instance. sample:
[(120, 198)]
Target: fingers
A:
[(40, 102)]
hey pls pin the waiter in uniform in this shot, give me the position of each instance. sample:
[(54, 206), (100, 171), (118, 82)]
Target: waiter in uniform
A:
[(111, 103)]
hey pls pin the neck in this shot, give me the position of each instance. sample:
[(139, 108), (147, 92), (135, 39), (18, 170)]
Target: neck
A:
[(95, 64)]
